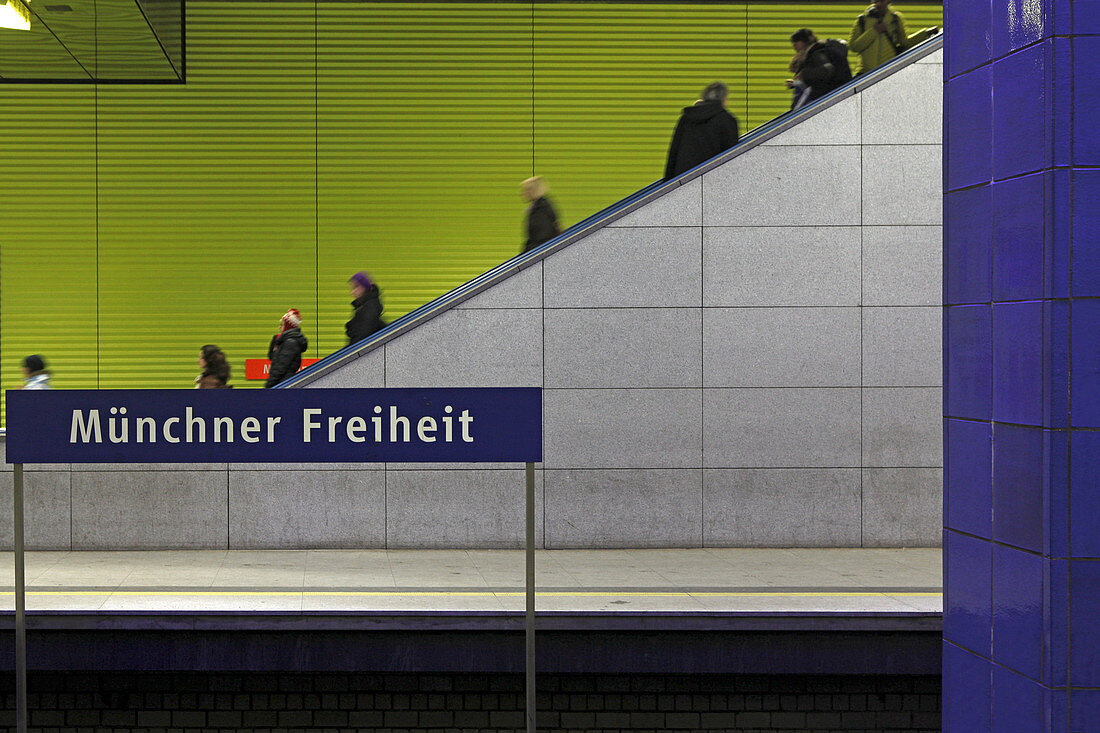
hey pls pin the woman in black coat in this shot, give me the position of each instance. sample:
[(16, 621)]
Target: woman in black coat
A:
[(542, 220), (286, 349), (367, 302)]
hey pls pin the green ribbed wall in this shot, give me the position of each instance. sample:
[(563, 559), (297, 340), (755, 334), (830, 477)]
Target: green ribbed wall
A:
[(314, 140)]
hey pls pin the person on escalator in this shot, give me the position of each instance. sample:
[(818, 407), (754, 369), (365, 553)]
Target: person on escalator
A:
[(367, 302), (286, 349), (879, 35), (542, 219), (819, 66), (705, 129)]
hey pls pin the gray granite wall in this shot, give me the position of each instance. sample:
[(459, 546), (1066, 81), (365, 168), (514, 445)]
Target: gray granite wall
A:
[(750, 360)]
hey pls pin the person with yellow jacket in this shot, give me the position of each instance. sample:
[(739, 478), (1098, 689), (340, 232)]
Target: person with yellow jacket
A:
[(879, 35)]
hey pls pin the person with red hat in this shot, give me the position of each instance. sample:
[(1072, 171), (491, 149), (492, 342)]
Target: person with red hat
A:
[(286, 349)]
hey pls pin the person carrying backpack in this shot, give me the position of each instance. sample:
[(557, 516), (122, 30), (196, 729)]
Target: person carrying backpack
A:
[(820, 66), (879, 35)]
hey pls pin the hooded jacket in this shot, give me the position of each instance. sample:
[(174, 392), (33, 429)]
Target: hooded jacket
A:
[(875, 48), (367, 317), (285, 352), (704, 130)]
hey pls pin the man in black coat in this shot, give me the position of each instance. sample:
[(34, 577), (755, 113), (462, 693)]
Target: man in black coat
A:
[(705, 129), (822, 66)]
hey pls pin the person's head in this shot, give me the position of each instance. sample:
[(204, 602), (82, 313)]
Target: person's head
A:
[(209, 355), (291, 319), (33, 364), (359, 283), (212, 360), (802, 39), (534, 188), (881, 6), (716, 92)]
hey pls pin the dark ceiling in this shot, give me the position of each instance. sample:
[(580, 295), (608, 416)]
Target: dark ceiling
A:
[(96, 40)]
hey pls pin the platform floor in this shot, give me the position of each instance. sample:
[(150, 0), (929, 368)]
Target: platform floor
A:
[(692, 581)]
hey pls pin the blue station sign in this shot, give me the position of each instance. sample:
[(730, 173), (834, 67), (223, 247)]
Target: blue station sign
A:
[(467, 425)]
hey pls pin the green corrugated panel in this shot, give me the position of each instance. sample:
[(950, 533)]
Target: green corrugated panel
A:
[(389, 137), (47, 243), (207, 193), (425, 132)]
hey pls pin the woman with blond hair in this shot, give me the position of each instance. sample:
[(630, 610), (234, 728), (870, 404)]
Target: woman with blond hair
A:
[(542, 220)]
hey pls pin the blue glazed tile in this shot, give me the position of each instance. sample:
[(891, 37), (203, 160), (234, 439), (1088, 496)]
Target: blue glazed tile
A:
[(1086, 222), (1017, 703), (1018, 486), (1084, 623), (967, 691), (1085, 389), (1061, 100), (968, 114), (1020, 140), (1056, 666), (968, 36), (1084, 709), (1057, 491), (1086, 16), (968, 476), (1018, 610), (1084, 494), (1056, 374), (968, 601), (1086, 105), (1018, 362), (1057, 705), (968, 361), (1016, 23), (1019, 223), (1059, 220), (968, 240)]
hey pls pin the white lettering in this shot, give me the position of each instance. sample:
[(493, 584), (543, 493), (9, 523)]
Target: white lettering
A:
[(396, 421), (192, 421), (465, 419), (167, 432), (249, 427), (271, 423), (355, 426), (308, 424), (86, 428), (227, 423), (377, 424), (146, 422), (332, 423), (447, 424), (424, 428), (112, 434)]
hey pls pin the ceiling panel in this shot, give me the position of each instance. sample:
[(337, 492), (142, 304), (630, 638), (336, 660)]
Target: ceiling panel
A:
[(96, 40)]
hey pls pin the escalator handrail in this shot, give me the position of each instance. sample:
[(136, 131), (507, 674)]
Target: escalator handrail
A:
[(602, 218)]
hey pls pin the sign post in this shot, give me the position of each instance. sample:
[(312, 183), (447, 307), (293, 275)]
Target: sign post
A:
[(467, 425)]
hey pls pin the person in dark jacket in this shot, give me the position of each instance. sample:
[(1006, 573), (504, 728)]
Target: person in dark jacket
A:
[(819, 66), (705, 129), (215, 369), (542, 219), (366, 300), (286, 349)]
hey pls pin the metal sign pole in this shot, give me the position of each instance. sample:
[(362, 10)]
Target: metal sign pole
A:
[(20, 609), (530, 619)]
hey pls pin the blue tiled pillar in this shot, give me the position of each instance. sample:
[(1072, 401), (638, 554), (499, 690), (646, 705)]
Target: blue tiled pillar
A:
[(1022, 366)]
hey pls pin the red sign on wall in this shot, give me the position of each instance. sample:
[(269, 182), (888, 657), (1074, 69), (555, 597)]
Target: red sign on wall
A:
[(260, 368)]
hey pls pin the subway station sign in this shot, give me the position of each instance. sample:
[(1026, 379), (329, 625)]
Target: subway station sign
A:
[(274, 426)]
